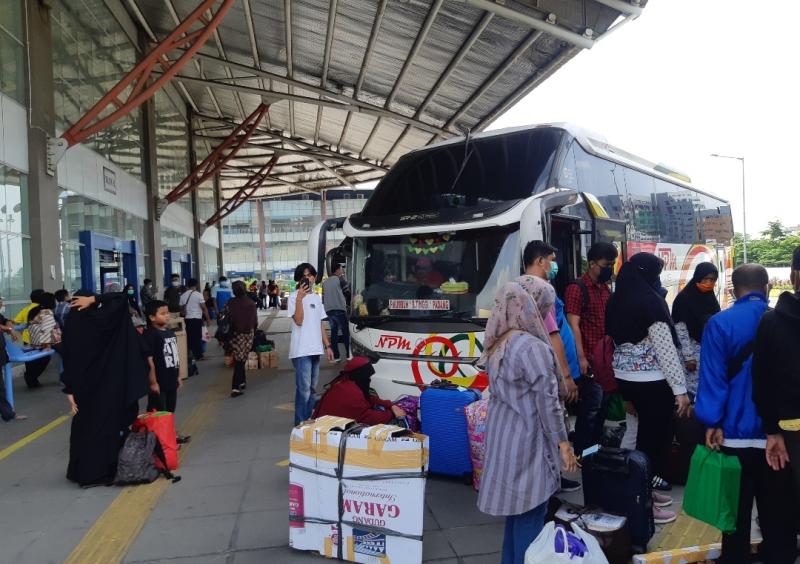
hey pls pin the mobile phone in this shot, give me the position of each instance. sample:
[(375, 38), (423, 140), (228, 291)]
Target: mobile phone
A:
[(305, 285)]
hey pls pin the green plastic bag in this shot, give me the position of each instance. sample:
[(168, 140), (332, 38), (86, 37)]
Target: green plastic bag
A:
[(712, 490), (616, 408)]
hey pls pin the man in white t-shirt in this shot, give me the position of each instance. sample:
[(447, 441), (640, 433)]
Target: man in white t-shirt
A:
[(309, 340), (193, 308)]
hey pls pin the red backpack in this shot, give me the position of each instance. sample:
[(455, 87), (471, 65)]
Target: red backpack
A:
[(601, 358)]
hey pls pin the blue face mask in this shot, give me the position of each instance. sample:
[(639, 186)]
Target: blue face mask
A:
[(553, 271)]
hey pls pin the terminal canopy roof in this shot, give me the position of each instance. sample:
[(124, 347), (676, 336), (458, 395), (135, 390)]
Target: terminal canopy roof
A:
[(352, 85)]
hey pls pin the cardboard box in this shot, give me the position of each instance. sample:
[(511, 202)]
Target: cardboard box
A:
[(273, 359), (382, 480), (252, 361), (263, 360)]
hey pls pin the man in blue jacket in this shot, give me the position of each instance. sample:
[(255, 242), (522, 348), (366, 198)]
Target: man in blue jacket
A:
[(725, 406)]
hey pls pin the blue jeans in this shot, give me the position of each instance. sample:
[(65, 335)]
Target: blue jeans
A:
[(521, 531), (338, 322), (306, 375)]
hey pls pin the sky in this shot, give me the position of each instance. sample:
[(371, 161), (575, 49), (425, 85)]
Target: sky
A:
[(687, 79)]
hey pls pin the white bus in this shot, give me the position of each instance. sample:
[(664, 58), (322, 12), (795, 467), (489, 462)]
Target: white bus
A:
[(446, 228)]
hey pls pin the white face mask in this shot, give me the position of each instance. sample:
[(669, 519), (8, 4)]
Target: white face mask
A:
[(176, 283)]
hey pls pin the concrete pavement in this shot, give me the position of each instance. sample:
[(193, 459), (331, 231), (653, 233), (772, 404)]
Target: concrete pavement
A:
[(231, 505)]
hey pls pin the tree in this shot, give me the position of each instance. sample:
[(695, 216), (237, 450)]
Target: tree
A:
[(775, 231), (767, 251)]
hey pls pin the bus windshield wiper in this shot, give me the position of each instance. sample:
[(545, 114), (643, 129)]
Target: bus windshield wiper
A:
[(467, 155)]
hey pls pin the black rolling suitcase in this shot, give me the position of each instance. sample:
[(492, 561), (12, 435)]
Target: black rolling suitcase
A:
[(619, 481)]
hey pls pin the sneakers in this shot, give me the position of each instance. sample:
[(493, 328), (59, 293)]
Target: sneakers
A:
[(661, 484), (661, 500), (569, 486), (662, 516)]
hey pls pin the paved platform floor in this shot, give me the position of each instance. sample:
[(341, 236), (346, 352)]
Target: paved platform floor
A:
[(231, 505)]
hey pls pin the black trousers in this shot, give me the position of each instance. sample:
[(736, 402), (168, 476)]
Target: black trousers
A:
[(165, 401), (273, 302), (34, 369), (239, 375), (590, 414), (194, 337), (792, 440), (773, 493), (655, 405)]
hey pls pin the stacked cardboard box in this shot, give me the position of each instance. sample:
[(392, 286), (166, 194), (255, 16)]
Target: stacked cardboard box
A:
[(268, 359), (357, 493)]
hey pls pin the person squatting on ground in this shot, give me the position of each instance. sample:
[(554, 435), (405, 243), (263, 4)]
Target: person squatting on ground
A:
[(525, 433), (336, 309), (309, 340), (725, 406), (586, 301), (776, 377), (349, 395), (241, 311), (647, 362)]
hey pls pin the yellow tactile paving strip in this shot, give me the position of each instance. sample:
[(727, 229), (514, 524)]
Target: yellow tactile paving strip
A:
[(684, 541), (111, 536)]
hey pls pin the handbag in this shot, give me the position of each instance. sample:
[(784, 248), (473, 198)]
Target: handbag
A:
[(224, 325), (712, 489), (556, 544), (162, 424)]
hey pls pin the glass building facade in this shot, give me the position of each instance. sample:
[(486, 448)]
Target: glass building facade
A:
[(287, 227), (12, 69), (90, 55), (15, 273)]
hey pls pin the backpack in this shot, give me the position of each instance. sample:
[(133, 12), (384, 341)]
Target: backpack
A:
[(601, 359), (260, 339), (136, 464)]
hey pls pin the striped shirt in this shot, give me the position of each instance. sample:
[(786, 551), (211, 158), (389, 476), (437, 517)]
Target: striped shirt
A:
[(524, 425)]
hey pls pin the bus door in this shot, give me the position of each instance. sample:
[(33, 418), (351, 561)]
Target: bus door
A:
[(564, 234), (320, 243)]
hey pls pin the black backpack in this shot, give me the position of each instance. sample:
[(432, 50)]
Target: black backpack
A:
[(136, 465), (260, 339)]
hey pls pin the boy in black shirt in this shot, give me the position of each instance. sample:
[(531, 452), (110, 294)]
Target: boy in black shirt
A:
[(161, 348)]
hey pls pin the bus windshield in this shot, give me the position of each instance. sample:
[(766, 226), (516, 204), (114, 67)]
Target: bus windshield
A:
[(455, 181), (452, 275)]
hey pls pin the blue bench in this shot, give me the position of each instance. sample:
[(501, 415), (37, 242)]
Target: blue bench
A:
[(16, 354)]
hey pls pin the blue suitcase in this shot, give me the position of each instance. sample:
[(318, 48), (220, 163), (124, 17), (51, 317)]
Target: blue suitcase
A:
[(443, 420), (619, 481)]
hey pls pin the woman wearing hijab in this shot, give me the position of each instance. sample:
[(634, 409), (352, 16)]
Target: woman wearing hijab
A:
[(104, 376), (525, 434), (349, 395), (241, 311), (691, 310), (647, 363)]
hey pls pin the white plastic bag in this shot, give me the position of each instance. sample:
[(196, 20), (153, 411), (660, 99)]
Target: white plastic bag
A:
[(556, 544)]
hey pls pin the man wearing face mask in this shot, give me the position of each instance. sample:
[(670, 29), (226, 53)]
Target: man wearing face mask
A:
[(172, 295), (539, 259), (586, 300), (147, 292)]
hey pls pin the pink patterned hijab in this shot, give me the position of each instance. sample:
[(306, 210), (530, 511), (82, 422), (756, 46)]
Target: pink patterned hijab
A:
[(515, 311)]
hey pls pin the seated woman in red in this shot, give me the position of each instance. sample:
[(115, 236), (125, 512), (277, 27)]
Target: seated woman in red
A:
[(349, 395)]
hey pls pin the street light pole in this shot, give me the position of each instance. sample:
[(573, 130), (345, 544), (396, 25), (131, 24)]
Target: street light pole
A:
[(744, 204)]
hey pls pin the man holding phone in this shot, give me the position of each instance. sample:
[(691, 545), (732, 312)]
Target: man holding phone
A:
[(309, 340)]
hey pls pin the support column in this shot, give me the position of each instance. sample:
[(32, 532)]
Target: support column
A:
[(217, 205), (154, 265), (43, 216), (262, 240), (196, 246)]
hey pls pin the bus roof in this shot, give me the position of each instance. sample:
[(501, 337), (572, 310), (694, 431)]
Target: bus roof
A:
[(594, 143)]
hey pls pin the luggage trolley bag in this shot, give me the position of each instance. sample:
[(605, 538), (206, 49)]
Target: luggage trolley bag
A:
[(443, 420), (618, 480)]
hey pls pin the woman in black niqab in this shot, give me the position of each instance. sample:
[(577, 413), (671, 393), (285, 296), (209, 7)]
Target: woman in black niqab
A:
[(106, 374), (696, 303)]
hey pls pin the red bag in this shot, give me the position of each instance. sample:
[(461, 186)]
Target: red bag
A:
[(602, 361), (162, 423)]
